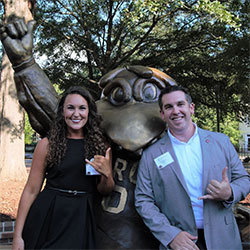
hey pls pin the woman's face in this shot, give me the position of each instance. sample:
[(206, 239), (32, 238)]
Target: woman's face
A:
[(75, 112)]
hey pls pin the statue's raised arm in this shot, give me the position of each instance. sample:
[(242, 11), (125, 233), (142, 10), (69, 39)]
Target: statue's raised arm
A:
[(35, 92)]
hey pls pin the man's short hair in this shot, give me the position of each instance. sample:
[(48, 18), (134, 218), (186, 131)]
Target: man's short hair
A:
[(173, 88)]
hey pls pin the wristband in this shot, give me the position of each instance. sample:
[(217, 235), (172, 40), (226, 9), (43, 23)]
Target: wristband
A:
[(23, 65)]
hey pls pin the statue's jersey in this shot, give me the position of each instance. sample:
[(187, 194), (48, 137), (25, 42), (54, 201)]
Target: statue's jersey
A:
[(118, 223)]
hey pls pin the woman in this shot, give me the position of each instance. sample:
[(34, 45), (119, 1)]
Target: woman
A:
[(61, 215)]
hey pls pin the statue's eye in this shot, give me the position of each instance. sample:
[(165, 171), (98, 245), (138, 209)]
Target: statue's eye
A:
[(150, 92), (118, 91), (117, 95)]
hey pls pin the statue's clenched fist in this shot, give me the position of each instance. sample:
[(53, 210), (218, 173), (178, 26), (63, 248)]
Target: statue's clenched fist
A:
[(34, 90), (17, 39)]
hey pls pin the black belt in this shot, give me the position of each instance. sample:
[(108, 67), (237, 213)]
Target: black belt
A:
[(73, 192)]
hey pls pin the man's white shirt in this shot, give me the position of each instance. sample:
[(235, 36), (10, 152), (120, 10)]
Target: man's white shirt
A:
[(189, 156)]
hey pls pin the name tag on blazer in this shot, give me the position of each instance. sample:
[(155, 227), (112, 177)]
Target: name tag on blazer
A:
[(163, 160)]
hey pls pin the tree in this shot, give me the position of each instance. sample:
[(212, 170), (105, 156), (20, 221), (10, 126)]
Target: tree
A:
[(12, 162), (199, 43), (217, 73), (230, 126)]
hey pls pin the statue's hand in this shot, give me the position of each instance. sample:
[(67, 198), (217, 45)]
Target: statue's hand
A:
[(17, 39)]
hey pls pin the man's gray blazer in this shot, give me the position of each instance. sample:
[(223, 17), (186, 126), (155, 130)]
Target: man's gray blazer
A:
[(161, 195)]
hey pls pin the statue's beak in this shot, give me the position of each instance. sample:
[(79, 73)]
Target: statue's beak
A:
[(133, 125)]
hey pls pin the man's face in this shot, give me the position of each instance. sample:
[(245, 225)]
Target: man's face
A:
[(177, 112)]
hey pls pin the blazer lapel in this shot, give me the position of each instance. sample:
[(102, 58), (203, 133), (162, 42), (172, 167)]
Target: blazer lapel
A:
[(206, 156), (166, 145)]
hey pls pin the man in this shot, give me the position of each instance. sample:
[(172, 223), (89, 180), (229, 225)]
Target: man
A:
[(188, 181)]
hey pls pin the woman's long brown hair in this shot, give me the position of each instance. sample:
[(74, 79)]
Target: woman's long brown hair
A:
[(93, 135)]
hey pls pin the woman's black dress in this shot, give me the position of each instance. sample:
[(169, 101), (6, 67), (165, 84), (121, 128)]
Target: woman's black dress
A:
[(59, 220)]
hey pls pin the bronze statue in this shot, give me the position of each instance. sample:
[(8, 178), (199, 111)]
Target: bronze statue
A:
[(131, 120)]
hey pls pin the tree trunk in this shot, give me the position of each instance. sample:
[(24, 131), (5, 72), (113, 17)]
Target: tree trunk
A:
[(12, 153)]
